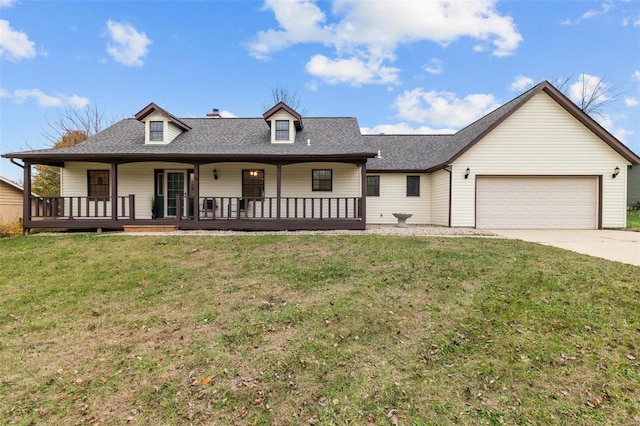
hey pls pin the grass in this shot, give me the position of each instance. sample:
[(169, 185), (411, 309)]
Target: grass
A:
[(310, 329), (633, 218)]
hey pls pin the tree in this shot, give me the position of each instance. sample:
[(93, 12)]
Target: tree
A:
[(71, 127), (590, 93), (46, 181), (291, 99)]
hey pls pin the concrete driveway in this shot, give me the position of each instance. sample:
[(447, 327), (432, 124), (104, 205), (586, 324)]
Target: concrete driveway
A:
[(621, 246)]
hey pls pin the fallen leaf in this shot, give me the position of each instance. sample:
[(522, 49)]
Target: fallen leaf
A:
[(205, 380), (631, 357)]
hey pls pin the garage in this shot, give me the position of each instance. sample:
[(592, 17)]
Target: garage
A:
[(537, 202)]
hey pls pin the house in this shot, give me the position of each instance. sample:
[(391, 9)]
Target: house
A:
[(536, 162), (10, 201)]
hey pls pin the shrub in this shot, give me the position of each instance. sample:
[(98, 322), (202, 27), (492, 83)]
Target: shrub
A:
[(10, 229)]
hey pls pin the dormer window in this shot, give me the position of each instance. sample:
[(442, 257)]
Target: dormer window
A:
[(156, 131), (282, 130)]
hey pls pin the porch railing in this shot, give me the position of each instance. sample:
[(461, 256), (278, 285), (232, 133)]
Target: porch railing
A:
[(81, 207), (211, 208)]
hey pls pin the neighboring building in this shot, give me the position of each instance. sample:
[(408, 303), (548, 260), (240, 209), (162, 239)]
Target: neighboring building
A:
[(536, 162), (11, 198), (633, 186)]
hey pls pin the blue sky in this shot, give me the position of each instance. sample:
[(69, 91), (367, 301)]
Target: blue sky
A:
[(397, 66)]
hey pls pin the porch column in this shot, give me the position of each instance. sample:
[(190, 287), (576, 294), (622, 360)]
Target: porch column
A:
[(26, 197), (113, 175), (363, 191), (196, 192), (278, 189)]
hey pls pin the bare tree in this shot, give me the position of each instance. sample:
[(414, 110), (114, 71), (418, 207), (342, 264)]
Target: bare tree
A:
[(89, 120), (72, 127), (590, 93), (284, 95)]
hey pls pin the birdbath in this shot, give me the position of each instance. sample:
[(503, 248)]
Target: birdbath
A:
[(402, 219)]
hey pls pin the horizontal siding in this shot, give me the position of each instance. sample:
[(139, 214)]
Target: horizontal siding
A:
[(393, 199), (440, 198), (137, 179), (10, 203), (540, 138)]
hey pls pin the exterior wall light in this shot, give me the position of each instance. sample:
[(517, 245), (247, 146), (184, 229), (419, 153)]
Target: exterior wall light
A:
[(215, 174), (616, 172), (466, 173)]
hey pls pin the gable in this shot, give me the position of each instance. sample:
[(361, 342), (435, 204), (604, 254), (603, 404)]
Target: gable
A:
[(543, 134)]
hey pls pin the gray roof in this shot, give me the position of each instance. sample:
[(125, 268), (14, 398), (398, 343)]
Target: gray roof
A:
[(220, 139)]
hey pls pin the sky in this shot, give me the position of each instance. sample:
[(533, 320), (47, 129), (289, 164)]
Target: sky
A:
[(397, 66)]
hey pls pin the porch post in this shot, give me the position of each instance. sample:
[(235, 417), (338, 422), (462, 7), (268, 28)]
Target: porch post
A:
[(196, 192), (114, 191), (363, 191), (26, 197), (278, 189)]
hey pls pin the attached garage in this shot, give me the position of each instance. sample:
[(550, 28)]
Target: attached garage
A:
[(537, 202)]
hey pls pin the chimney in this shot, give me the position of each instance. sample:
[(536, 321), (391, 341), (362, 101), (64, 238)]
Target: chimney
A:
[(214, 114)]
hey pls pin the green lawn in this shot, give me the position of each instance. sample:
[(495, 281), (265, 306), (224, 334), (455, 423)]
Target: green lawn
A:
[(313, 329), (633, 219)]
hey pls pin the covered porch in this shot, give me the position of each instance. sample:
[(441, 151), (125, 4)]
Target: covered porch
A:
[(192, 196)]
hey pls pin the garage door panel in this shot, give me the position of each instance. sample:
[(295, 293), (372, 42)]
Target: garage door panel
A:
[(569, 202)]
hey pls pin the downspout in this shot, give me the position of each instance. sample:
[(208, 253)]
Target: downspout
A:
[(447, 168), (17, 164)]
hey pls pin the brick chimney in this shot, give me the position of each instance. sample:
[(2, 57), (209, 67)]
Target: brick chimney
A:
[(214, 114)]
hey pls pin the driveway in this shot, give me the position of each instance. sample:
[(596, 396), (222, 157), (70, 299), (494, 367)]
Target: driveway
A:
[(621, 246)]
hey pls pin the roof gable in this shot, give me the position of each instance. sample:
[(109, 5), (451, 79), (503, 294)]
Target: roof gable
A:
[(140, 116), (472, 134), (297, 118)]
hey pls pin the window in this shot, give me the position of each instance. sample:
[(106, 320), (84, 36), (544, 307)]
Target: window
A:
[(98, 183), (156, 131), (373, 186), (322, 180), (282, 130), (413, 186), (253, 183)]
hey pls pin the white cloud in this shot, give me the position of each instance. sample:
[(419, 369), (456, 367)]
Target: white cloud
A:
[(45, 101), (404, 129), (128, 46), (636, 75), (631, 102), (227, 114), (604, 8), (443, 109), (434, 66), (8, 3), (15, 45), (353, 71), (521, 84), (358, 41), (586, 85)]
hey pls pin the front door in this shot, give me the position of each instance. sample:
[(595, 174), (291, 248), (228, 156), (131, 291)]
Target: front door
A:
[(176, 185)]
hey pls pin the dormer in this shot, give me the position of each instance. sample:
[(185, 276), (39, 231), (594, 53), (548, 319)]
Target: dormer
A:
[(283, 122), (160, 127)]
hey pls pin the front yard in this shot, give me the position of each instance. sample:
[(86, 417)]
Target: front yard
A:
[(313, 329)]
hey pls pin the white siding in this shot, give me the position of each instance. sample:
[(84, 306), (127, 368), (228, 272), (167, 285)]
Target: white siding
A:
[(170, 131), (137, 179), (440, 198), (393, 199), (282, 115), (540, 138)]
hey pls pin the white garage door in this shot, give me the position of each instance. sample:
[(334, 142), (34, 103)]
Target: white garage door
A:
[(537, 202)]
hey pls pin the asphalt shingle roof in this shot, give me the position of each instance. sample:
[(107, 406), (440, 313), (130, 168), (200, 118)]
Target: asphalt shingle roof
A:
[(211, 137)]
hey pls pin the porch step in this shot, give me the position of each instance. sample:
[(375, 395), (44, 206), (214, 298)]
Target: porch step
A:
[(150, 228)]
